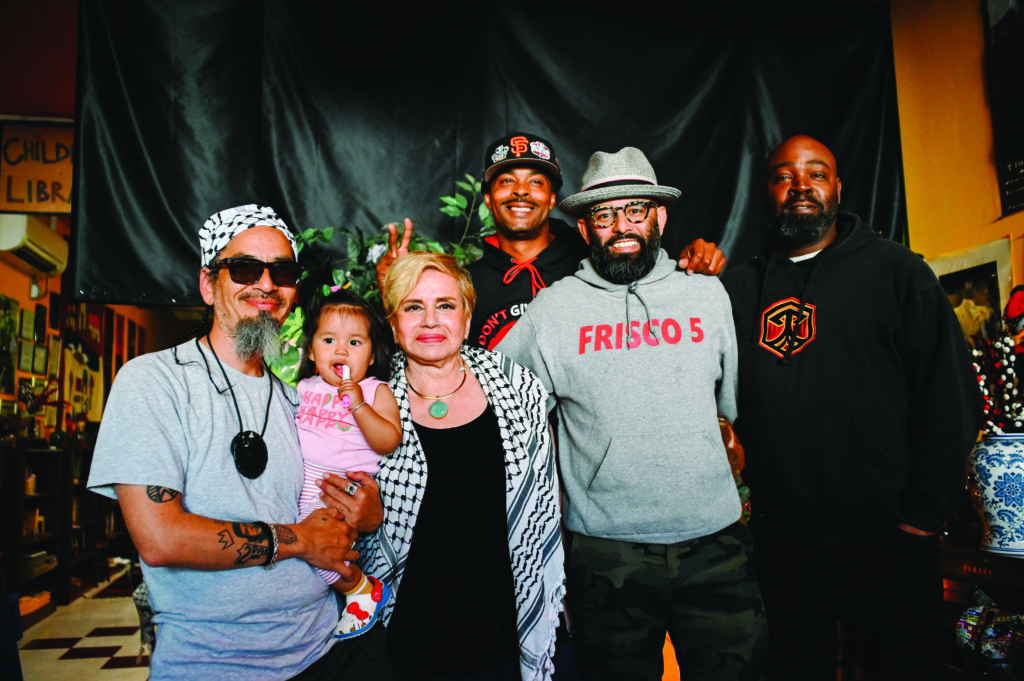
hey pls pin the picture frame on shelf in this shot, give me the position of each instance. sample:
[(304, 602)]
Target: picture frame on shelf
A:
[(978, 282)]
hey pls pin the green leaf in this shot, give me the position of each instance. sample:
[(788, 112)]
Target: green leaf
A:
[(461, 201), (453, 200), (453, 211), (465, 186)]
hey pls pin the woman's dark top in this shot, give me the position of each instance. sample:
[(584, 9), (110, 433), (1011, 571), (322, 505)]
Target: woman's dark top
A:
[(455, 610)]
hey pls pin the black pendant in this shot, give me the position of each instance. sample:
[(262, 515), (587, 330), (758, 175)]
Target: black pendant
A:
[(250, 454)]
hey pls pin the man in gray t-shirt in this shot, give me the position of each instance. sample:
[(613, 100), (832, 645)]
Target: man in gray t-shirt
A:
[(198, 445)]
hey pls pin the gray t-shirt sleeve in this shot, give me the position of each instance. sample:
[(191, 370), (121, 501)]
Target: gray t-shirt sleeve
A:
[(141, 439)]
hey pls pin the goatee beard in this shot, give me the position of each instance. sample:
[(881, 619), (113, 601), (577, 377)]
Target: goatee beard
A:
[(800, 229), (258, 337), (625, 268)]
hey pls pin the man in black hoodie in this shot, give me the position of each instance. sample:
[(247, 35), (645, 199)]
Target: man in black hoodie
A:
[(857, 408), (531, 250)]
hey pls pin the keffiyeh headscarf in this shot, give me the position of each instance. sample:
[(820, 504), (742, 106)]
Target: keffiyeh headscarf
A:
[(222, 227), (518, 400)]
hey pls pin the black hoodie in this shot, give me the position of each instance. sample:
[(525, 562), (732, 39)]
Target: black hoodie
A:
[(858, 404), (504, 287)]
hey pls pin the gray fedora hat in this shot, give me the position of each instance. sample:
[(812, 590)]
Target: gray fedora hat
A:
[(626, 174)]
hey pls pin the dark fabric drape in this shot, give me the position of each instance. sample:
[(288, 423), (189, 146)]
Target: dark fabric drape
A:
[(358, 117)]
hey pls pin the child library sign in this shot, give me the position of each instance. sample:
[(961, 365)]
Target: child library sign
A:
[(35, 167)]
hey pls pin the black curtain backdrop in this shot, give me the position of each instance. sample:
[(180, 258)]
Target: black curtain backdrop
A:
[(362, 116)]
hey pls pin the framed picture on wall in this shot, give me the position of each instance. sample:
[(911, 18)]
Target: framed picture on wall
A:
[(39, 360), (27, 330), (8, 343), (53, 358), (26, 354), (55, 311), (39, 335)]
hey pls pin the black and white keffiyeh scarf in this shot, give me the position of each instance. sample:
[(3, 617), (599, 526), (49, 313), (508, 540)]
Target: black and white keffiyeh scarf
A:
[(517, 399)]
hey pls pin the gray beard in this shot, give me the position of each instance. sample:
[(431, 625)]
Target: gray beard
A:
[(257, 337), (625, 269)]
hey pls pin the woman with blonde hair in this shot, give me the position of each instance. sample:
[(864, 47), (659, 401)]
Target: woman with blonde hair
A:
[(470, 541)]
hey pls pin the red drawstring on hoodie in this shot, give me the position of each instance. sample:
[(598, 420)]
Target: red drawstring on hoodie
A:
[(521, 265)]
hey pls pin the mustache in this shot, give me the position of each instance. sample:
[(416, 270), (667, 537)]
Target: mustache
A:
[(528, 202), (260, 294), (803, 198)]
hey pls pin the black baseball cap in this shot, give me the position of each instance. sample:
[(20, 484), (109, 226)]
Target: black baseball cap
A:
[(522, 148)]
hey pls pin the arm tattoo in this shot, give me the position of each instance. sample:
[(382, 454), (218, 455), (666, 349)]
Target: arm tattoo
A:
[(285, 535), (226, 539), (255, 545), (160, 495)]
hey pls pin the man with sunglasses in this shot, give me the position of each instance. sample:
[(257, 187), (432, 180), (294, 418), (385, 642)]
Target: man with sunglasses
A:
[(531, 250), (639, 361), (198, 444)]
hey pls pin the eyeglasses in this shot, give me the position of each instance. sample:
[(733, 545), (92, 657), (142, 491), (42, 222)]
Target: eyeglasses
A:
[(635, 212), (248, 271)]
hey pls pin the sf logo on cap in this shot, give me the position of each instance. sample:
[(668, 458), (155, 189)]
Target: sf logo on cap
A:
[(519, 145)]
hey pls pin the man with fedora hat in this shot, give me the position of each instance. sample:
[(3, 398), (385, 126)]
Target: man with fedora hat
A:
[(639, 360), (531, 250)]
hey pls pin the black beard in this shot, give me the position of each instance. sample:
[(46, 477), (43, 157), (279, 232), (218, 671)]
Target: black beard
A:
[(625, 268), (801, 229), (257, 337)]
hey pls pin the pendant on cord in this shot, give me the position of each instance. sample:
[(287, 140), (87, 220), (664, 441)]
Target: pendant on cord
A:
[(250, 453)]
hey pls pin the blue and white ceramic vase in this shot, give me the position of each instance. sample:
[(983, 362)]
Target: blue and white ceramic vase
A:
[(997, 484)]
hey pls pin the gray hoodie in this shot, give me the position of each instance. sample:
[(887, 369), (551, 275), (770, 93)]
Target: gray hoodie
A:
[(639, 374)]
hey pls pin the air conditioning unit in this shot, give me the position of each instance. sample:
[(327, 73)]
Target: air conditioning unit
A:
[(28, 243)]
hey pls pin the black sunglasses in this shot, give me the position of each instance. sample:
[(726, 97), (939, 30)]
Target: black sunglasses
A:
[(248, 271)]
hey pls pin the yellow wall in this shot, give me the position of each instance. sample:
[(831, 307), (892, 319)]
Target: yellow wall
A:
[(952, 190)]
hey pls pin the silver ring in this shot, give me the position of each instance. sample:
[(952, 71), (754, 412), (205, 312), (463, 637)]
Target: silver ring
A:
[(351, 488)]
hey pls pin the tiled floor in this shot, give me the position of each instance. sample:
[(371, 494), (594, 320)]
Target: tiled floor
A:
[(91, 639)]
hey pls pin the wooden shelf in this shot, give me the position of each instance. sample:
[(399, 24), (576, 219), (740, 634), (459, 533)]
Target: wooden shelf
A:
[(80, 547)]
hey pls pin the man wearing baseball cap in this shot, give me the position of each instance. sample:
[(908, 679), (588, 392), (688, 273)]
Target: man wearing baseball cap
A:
[(198, 445), (531, 249), (639, 361)]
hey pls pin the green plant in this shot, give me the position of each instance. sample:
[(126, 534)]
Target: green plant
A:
[(354, 264), (469, 247)]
